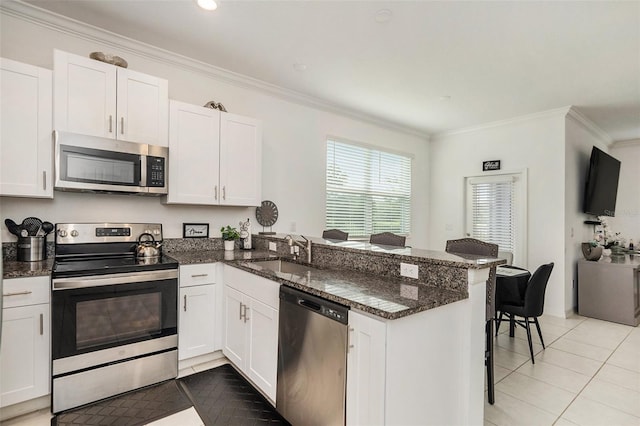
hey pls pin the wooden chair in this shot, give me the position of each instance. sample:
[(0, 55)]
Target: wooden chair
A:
[(335, 234), (387, 239), (480, 248)]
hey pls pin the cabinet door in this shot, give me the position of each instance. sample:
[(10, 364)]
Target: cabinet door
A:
[(84, 95), (240, 160), (365, 370), (25, 130), (24, 357), (194, 145), (196, 331), (262, 347), (142, 108), (234, 327)]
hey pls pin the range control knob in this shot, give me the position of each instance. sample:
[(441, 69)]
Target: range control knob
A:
[(156, 231), (74, 233), (62, 233)]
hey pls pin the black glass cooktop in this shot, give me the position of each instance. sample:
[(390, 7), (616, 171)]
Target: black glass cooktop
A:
[(102, 265)]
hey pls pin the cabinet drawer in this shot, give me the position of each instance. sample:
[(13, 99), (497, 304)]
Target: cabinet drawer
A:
[(199, 274), (25, 291), (261, 289)]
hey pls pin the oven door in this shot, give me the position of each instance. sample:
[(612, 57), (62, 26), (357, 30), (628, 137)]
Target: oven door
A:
[(106, 318)]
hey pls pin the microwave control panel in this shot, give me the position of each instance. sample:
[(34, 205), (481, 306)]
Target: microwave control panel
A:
[(155, 171)]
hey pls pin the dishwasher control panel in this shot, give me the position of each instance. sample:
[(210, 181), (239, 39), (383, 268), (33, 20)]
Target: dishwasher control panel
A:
[(335, 314)]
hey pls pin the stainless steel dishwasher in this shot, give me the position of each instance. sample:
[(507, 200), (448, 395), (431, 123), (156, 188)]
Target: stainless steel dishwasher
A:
[(312, 359)]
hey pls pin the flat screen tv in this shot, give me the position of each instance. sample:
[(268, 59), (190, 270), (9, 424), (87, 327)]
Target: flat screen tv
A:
[(601, 188)]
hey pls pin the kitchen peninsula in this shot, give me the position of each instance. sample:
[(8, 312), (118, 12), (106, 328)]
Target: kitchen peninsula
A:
[(418, 344)]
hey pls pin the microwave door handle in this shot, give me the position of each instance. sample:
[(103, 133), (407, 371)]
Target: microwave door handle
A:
[(143, 171)]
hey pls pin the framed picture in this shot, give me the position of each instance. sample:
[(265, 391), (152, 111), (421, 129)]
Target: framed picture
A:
[(195, 230)]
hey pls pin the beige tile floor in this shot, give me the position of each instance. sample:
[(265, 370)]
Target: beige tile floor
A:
[(588, 375)]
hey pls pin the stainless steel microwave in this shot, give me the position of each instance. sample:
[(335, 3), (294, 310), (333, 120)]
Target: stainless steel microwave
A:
[(94, 164)]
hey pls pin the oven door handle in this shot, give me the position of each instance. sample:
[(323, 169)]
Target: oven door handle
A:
[(112, 279)]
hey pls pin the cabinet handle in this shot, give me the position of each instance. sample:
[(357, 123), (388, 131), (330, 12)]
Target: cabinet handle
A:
[(110, 124), (19, 293), (122, 125), (349, 345), (224, 192), (185, 303), (44, 180), (199, 275), (246, 318), (41, 324), (215, 192), (240, 311)]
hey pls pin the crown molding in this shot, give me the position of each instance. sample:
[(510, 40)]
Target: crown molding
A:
[(519, 119), (589, 125), (629, 142), (75, 28)]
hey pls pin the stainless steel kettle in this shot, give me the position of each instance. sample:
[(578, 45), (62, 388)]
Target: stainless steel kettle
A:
[(147, 248)]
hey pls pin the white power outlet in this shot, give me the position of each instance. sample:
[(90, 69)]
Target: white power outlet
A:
[(273, 246), (409, 270)]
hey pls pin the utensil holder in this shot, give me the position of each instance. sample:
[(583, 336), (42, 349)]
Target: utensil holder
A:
[(31, 249)]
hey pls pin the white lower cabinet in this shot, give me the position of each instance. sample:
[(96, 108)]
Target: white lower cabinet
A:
[(365, 370), (251, 327), (24, 356), (197, 320)]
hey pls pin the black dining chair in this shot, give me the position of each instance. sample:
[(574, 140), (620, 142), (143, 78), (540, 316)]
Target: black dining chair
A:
[(335, 234), (387, 239), (530, 307), (466, 246)]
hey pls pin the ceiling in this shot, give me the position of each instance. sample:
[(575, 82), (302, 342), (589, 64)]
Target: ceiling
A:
[(432, 67)]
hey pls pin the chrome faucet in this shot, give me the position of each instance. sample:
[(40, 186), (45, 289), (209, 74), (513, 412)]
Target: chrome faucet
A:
[(305, 246)]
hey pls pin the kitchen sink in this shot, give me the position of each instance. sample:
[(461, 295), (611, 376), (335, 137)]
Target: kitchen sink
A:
[(283, 266)]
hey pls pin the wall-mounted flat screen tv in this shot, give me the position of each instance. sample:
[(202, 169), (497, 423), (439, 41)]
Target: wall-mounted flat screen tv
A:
[(601, 188)]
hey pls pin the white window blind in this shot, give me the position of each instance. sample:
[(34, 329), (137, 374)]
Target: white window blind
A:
[(368, 191), (492, 204)]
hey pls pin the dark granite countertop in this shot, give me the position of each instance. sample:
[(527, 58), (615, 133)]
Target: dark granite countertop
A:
[(15, 269), (389, 298), (211, 256)]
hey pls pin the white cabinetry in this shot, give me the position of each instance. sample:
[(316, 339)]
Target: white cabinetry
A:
[(24, 356), (99, 99), (25, 140), (214, 158), (198, 325), (365, 370), (251, 327)]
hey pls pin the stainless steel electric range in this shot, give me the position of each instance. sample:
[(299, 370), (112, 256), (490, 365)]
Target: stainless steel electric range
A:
[(113, 314)]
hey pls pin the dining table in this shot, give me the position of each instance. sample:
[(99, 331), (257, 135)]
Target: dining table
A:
[(511, 285)]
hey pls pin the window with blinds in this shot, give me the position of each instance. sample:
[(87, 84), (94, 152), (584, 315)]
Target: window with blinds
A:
[(493, 210), (368, 191)]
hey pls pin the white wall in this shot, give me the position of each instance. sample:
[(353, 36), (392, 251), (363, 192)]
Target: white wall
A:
[(293, 140), (579, 141), (534, 143), (627, 220)]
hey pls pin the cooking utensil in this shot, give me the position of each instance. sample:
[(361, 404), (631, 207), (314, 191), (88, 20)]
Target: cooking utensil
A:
[(148, 248), (13, 227), (47, 227), (32, 225)]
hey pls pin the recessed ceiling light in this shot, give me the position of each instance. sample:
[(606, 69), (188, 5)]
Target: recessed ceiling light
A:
[(208, 4), (299, 66), (383, 16)]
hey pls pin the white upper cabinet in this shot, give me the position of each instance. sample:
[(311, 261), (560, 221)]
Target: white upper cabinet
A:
[(26, 161), (214, 158), (99, 99), (240, 160), (194, 154)]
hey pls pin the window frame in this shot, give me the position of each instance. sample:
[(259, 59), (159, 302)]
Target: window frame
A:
[(372, 147)]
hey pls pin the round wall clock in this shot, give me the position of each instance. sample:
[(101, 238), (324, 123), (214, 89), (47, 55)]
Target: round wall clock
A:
[(267, 215)]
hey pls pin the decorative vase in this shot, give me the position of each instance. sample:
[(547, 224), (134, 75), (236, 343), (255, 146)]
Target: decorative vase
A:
[(590, 252), (617, 250), (229, 244), (606, 252)]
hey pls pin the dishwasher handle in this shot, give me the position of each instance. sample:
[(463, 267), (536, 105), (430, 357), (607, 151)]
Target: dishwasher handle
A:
[(309, 304)]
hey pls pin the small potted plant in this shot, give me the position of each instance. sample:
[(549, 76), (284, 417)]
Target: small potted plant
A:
[(229, 235)]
